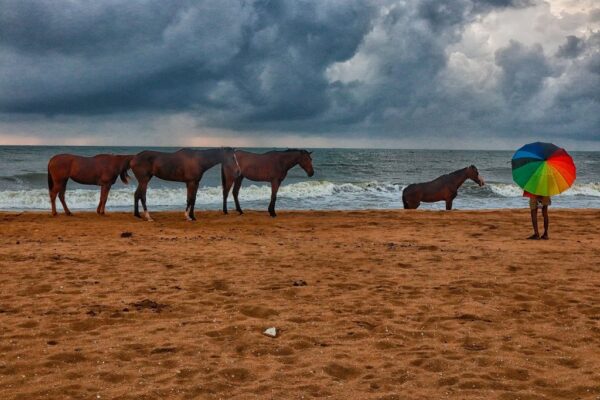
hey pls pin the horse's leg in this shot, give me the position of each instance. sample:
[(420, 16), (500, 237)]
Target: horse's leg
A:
[(274, 188), (236, 190), (53, 193), (136, 199), (449, 202), (141, 195), (227, 182), (106, 198), (103, 197), (192, 189), (61, 197)]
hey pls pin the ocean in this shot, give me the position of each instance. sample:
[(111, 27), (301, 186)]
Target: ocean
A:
[(345, 179)]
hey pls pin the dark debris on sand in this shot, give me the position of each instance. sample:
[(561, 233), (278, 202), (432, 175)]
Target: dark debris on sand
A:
[(149, 305)]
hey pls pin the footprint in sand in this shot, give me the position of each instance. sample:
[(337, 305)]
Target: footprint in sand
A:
[(114, 378), (236, 374), (341, 372), (258, 311), (516, 374), (65, 358)]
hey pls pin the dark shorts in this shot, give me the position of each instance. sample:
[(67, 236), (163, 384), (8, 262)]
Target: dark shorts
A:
[(544, 201)]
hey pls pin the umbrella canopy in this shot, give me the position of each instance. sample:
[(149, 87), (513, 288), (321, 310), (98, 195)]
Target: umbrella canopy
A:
[(543, 169)]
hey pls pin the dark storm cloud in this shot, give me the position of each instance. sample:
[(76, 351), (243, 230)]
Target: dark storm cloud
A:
[(300, 65), (265, 59), (573, 47), (524, 70), (83, 27)]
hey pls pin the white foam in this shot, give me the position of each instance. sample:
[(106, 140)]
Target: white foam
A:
[(307, 194), (506, 189), (169, 197), (511, 190)]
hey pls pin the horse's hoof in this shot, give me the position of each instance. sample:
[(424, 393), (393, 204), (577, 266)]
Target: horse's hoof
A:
[(69, 214)]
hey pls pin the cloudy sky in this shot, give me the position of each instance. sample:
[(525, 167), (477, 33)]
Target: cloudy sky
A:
[(312, 73)]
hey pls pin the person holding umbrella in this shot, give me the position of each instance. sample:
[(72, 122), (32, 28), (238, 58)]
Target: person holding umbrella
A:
[(534, 202), (542, 170)]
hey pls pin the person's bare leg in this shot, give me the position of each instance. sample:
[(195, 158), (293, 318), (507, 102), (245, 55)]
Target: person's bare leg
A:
[(545, 214), (536, 233)]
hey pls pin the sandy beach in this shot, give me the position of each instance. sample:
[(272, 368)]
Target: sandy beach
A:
[(369, 304)]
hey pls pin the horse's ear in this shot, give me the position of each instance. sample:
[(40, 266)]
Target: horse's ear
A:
[(310, 152)]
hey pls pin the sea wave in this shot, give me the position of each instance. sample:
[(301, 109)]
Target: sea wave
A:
[(307, 194), (170, 197), (591, 189)]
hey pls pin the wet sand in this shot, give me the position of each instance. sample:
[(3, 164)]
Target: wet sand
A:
[(396, 305)]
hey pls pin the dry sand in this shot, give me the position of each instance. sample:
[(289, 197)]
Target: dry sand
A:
[(398, 305)]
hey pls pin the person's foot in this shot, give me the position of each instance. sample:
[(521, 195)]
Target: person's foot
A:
[(535, 236), (545, 236)]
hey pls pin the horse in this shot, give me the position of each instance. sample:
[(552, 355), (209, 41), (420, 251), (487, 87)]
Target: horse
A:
[(271, 166), (101, 170), (185, 165), (443, 188)]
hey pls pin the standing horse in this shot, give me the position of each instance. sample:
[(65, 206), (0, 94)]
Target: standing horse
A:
[(443, 188), (184, 165), (268, 167), (101, 170)]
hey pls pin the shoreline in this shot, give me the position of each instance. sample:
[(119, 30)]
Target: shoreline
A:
[(299, 210)]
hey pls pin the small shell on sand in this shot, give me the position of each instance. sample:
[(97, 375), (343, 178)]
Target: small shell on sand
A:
[(271, 332)]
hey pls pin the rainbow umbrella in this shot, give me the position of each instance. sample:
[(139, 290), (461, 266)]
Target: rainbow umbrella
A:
[(543, 169)]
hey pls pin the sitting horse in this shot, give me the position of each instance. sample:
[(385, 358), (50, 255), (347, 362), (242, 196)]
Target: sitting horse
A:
[(272, 167), (185, 165), (101, 170), (443, 188)]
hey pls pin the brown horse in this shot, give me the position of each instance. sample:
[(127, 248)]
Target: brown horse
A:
[(185, 165), (101, 170), (443, 188), (268, 167)]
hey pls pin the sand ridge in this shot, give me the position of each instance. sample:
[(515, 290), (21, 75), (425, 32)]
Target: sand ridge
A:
[(397, 305)]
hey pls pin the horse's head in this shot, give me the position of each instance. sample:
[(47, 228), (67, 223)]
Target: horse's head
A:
[(306, 162), (473, 174), (230, 162)]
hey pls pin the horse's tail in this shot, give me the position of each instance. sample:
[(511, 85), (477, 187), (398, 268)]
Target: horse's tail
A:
[(50, 180), (404, 201), (223, 178), (124, 168)]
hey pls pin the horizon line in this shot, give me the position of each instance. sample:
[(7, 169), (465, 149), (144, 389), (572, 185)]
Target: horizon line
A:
[(278, 147)]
